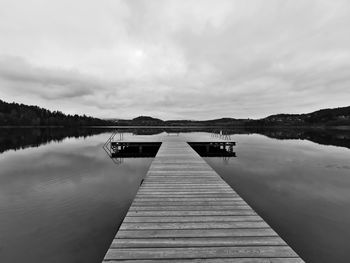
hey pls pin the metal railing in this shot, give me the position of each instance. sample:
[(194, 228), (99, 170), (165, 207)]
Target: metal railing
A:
[(107, 146), (221, 134)]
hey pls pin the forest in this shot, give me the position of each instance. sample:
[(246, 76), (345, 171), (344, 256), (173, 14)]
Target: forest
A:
[(14, 114)]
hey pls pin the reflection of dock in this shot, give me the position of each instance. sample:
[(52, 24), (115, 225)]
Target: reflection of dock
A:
[(185, 212), (121, 149), (214, 149)]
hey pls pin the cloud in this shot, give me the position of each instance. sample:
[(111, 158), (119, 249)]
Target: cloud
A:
[(176, 59), (53, 84)]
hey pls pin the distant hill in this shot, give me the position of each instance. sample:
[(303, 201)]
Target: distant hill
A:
[(14, 114), (146, 120), (150, 121), (325, 117)]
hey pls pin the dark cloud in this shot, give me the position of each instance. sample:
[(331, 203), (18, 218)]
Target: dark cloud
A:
[(47, 83)]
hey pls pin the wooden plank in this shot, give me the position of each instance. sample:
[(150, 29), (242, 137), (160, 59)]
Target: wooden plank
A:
[(182, 187), (187, 203), (187, 182), (187, 179), (184, 191), (184, 172), (205, 233), (179, 219), (170, 197), (174, 185), (167, 193), (199, 252), (191, 225), (185, 199), (187, 208), (198, 242), (223, 195), (149, 195), (231, 212), (215, 260), (192, 186), (181, 169), (158, 184)]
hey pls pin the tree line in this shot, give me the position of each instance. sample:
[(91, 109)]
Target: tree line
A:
[(14, 114)]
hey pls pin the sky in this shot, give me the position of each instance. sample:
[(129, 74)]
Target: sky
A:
[(176, 59)]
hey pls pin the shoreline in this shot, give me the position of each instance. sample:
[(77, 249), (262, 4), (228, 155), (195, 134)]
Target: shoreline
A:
[(341, 127)]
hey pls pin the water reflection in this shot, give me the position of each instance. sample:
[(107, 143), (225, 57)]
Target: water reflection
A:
[(63, 201), (21, 138), (320, 136), (300, 188), (214, 149)]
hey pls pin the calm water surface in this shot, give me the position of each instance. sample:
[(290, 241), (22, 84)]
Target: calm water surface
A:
[(300, 188), (62, 198), (63, 201)]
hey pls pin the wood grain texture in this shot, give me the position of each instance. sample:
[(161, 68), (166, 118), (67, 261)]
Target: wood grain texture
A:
[(215, 260), (200, 252), (198, 242)]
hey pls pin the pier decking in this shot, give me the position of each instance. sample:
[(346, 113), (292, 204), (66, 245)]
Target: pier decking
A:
[(185, 212)]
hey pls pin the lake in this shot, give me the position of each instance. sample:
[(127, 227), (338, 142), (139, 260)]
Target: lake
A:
[(62, 198)]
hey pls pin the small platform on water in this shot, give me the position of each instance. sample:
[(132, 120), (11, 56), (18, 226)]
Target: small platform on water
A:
[(185, 212)]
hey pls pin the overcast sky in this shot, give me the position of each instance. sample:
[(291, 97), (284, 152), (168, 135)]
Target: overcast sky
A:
[(179, 59)]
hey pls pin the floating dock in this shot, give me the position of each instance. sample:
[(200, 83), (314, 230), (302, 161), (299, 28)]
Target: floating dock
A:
[(184, 212)]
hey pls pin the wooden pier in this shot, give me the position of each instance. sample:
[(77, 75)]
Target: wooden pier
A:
[(184, 212)]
